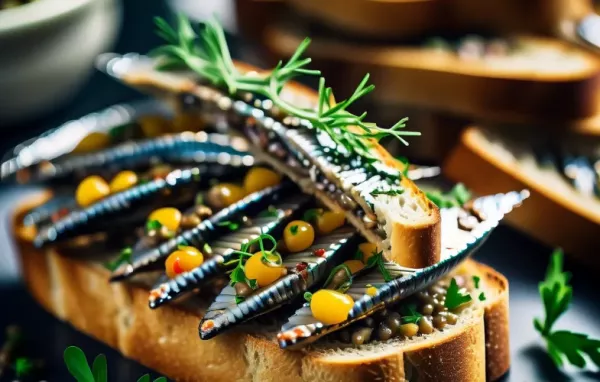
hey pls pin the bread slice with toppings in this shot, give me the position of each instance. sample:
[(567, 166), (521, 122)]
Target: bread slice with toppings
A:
[(570, 220), (475, 349)]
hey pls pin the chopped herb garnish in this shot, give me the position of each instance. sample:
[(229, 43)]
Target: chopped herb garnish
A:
[(238, 275), (556, 294), (239, 299), (457, 197), (377, 261), (476, 280), (481, 296), (270, 212), (124, 257), (312, 214), (229, 224), (410, 314), (23, 367), (208, 55), (153, 225), (388, 192), (454, 297), (358, 255), (294, 229), (253, 284)]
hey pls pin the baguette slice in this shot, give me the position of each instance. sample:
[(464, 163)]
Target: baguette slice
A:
[(407, 18), (478, 89), (475, 349), (555, 213), (411, 222)]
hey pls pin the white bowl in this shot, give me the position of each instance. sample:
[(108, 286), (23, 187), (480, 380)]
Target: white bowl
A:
[(47, 52)]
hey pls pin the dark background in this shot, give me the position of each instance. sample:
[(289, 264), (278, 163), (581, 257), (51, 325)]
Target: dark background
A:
[(522, 260)]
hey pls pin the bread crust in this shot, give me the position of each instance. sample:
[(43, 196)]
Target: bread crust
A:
[(167, 340), (566, 222), (448, 84)]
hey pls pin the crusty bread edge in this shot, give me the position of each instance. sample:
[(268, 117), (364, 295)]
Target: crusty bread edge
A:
[(167, 341), (564, 222)]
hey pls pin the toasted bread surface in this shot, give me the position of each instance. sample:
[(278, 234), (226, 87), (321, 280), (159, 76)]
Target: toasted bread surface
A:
[(569, 221), (166, 339)]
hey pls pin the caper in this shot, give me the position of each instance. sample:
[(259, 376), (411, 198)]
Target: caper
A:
[(384, 332), (361, 336), (203, 211), (382, 314), (451, 318), (425, 325), (440, 308), (439, 321), (242, 289), (340, 277), (409, 330), (393, 321), (427, 309), (190, 221), (435, 290), (369, 322)]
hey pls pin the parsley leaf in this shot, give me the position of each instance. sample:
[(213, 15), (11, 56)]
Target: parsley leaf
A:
[(153, 225), (456, 197), (253, 283), (454, 297), (294, 229), (124, 257), (23, 367), (237, 275), (556, 296), (312, 214), (388, 192), (476, 280), (410, 314), (377, 261), (77, 364), (481, 296)]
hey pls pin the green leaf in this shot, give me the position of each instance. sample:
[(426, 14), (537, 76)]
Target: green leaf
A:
[(239, 299), (124, 257), (253, 284), (476, 280), (270, 212), (388, 192), (410, 314), (229, 224), (238, 275), (199, 199), (461, 193), (153, 225), (161, 379), (77, 364), (454, 297), (307, 296), (312, 214), (23, 367), (100, 369), (144, 378), (481, 296), (294, 229)]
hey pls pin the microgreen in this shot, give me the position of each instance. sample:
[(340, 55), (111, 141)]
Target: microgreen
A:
[(388, 192), (207, 54), (377, 261), (410, 314), (124, 257), (456, 197), (556, 294), (455, 297)]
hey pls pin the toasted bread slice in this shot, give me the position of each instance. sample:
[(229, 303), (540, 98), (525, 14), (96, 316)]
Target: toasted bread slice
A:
[(405, 18), (78, 292), (410, 221), (570, 220), (479, 89)]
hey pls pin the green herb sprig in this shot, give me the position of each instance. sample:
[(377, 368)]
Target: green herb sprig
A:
[(377, 261), (124, 257), (556, 294), (79, 368), (457, 197), (232, 226), (410, 314), (207, 54), (388, 192), (454, 296)]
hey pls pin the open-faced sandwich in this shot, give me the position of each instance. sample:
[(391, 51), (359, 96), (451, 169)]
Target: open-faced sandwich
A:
[(563, 178), (283, 225)]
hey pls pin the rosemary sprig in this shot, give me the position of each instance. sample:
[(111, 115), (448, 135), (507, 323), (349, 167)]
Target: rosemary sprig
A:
[(207, 54)]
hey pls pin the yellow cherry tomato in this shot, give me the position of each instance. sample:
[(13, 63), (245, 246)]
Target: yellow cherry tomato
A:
[(329, 221), (368, 250), (259, 178), (298, 235), (187, 122), (92, 142), (183, 260), (264, 274), (168, 217), (225, 194), (90, 190), (354, 265), (123, 181), (330, 307), (153, 125)]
